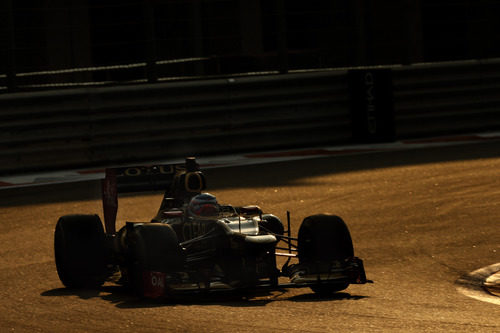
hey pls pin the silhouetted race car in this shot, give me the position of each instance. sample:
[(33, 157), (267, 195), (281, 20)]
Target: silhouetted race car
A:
[(195, 244)]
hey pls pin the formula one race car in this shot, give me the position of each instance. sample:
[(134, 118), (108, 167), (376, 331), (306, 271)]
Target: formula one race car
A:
[(195, 244)]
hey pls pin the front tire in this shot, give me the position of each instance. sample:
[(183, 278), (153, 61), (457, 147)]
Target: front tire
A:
[(329, 289), (152, 247), (324, 239), (80, 251)]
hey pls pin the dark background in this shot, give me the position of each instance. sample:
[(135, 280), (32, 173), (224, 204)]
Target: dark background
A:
[(233, 36)]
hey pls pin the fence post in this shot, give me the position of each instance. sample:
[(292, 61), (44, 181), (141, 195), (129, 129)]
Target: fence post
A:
[(11, 42), (281, 37), (150, 37), (197, 36)]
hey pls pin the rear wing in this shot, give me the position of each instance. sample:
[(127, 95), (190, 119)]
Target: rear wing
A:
[(174, 179)]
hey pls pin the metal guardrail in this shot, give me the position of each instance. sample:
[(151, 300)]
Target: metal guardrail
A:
[(109, 125), (447, 98), (106, 125)]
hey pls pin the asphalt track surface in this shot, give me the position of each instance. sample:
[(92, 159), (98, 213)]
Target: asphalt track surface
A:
[(421, 219)]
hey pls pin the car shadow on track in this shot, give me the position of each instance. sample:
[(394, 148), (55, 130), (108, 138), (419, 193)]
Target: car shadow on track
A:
[(312, 297), (122, 298)]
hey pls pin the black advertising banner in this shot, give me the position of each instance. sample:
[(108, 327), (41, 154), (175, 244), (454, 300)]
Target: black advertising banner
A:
[(372, 105)]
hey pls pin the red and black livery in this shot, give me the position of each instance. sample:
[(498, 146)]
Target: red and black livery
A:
[(176, 252)]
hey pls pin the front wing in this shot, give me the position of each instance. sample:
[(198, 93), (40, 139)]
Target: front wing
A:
[(159, 284)]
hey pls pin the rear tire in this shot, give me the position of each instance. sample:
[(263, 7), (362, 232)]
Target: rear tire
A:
[(323, 239), (80, 251)]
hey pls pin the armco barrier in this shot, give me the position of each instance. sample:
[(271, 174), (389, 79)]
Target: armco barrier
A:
[(447, 98), (111, 125), (96, 126)]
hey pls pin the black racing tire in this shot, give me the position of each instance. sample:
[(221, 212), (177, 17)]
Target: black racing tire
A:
[(324, 238), (80, 251), (329, 289), (152, 247), (273, 224)]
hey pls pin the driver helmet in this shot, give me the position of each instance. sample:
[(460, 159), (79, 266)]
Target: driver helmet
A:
[(203, 205)]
